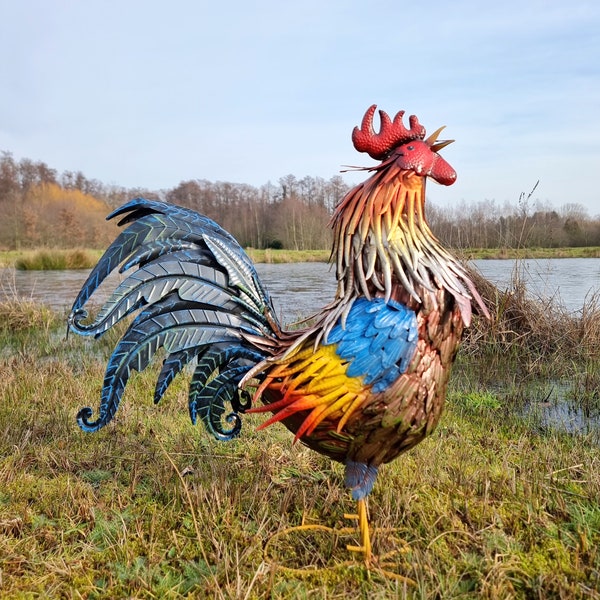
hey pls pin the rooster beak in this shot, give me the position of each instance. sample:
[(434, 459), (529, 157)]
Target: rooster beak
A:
[(434, 144)]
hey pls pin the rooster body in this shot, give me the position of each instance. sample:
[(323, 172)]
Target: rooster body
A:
[(364, 382)]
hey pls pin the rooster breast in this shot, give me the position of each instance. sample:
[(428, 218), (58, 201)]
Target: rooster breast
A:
[(374, 387)]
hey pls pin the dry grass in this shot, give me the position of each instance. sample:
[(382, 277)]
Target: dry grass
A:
[(534, 330), (275, 256), (490, 506), (8, 258), (522, 252), (56, 260), (22, 314), (152, 508)]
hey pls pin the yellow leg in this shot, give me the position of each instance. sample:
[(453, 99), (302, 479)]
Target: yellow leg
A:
[(381, 563), (363, 525)]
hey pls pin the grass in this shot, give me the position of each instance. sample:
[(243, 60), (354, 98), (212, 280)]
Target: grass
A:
[(521, 253), (56, 259), (23, 315), (287, 256), (85, 258), (539, 335), (490, 506), (78, 258)]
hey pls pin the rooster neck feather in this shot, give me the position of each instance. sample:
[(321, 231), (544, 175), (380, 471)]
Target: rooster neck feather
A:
[(384, 247)]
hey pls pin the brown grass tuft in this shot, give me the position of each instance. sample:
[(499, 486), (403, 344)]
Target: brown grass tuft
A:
[(56, 260), (18, 314), (533, 329)]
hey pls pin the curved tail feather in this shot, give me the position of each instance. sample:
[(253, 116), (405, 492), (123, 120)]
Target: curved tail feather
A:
[(200, 298), (174, 246), (207, 396)]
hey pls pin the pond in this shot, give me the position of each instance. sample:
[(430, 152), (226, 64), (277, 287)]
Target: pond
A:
[(301, 289), (569, 281)]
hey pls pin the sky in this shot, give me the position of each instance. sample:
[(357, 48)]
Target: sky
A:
[(148, 94)]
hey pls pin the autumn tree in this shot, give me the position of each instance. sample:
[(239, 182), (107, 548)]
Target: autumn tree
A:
[(38, 207)]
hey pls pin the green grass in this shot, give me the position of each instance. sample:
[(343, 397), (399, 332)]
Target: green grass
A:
[(490, 506), (521, 253), (46, 260), (86, 258), (287, 256), (58, 259)]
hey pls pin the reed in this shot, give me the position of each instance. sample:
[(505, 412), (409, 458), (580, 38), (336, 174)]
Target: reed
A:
[(22, 314), (534, 330), (56, 259)]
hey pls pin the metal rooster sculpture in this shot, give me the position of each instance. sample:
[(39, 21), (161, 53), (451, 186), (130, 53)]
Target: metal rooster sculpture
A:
[(364, 382)]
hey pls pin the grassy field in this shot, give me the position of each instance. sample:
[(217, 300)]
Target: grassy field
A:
[(492, 505), (520, 253), (52, 259), (287, 256), (46, 259), (58, 259)]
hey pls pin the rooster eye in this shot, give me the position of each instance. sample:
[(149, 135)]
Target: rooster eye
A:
[(410, 147)]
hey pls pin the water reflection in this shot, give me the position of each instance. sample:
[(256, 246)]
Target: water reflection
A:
[(298, 290), (564, 416), (556, 405)]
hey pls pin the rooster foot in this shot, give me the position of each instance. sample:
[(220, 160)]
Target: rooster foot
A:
[(383, 564), (365, 536)]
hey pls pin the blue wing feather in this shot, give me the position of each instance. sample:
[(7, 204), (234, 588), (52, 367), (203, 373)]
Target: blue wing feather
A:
[(378, 341)]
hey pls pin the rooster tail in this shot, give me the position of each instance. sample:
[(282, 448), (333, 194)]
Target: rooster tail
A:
[(197, 295)]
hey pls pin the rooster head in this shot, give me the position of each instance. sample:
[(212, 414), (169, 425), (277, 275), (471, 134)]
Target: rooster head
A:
[(407, 148)]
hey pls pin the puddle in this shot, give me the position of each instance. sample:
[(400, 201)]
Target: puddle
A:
[(564, 417), (558, 410)]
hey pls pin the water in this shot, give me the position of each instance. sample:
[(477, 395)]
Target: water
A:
[(297, 290), (301, 289), (570, 281)]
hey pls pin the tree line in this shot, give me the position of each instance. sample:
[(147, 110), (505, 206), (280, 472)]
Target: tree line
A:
[(527, 224), (41, 208)]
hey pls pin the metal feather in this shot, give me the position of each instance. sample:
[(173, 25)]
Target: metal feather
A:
[(362, 382), (197, 290)]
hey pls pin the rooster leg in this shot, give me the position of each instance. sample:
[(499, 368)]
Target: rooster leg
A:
[(363, 525)]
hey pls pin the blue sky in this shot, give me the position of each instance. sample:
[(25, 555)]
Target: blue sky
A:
[(152, 93)]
